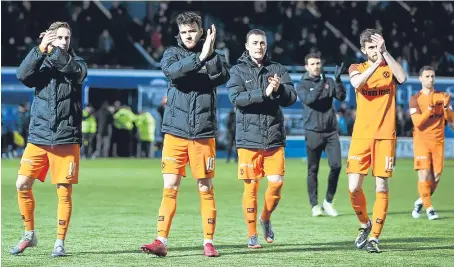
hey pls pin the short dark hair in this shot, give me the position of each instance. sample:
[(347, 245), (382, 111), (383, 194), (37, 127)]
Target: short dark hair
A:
[(312, 55), (426, 68), (189, 18), (366, 36), (256, 32), (59, 24)]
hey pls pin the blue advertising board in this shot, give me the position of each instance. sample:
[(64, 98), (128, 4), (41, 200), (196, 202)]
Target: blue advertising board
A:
[(152, 86), (132, 79)]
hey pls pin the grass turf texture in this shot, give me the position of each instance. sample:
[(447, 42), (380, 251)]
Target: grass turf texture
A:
[(116, 203)]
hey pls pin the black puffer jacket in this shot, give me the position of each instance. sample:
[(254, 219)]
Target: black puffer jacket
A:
[(317, 97), (56, 112), (259, 119), (191, 97)]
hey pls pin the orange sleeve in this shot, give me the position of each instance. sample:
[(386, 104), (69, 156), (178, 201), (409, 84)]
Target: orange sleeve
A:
[(448, 112), (352, 68), (418, 118), (449, 115)]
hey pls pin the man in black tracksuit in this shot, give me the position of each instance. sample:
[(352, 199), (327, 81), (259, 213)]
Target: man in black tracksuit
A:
[(316, 93), (258, 88)]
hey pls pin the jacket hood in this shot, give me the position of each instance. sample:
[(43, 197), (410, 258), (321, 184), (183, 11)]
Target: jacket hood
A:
[(246, 59)]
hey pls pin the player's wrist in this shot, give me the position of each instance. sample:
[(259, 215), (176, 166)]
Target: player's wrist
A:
[(50, 48), (42, 48)]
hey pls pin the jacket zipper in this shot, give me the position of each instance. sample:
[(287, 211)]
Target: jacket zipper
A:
[(192, 128), (55, 115), (265, 143)]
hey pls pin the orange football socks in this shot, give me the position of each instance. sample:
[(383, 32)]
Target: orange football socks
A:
[(272, 197), (379, 215), (167, 211), (250, 206), (358, 200), (64, 210), (27, 208), (208, 210), (424, 189)]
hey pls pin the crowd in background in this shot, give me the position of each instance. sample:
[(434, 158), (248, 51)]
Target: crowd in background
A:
[(112, 130), (417, 33)]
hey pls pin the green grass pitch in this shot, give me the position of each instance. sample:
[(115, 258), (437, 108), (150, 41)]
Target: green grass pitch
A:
[(116, 203)]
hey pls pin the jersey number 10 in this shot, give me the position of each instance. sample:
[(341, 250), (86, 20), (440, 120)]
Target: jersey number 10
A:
[(210, 164), (389, 163)]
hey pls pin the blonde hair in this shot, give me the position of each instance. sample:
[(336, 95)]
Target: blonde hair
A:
[(59, 24)]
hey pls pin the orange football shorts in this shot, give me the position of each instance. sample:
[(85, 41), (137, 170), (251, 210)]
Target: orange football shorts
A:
[(375, 153), (62, 160), (199, 153), (429, 154), (257, 163)]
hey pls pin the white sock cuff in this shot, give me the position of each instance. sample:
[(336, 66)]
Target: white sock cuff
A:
[(162, 239), (206, 241)]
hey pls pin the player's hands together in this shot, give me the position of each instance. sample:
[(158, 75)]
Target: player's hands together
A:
[(380, 42), (48, 38), (275, 81), (273, 86), (208, 45), (338, 71), (269, 89)]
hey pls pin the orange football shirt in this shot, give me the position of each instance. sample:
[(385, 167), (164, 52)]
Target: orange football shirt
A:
[(375, 104), (433, 127)]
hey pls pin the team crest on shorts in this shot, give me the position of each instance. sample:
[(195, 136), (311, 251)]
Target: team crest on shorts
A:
[(386, 74)]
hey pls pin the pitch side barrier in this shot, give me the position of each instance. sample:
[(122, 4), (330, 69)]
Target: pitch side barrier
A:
[(127, 79)]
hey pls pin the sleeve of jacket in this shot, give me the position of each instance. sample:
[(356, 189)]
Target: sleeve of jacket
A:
[(338, 91), (218, 69), (308, 95), (175, 69), (286, 95), (73, 67), (238, 95), (29, 70)]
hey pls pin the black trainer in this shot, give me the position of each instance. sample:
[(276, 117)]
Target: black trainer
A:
[(363, 233), (372, 246)]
